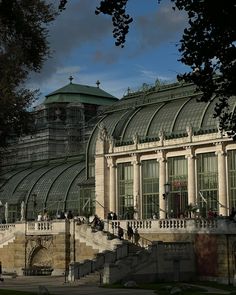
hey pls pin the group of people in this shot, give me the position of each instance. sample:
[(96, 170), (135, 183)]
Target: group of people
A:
[(211, 213), (232, 215), (43, 216), (97, 223), (111, 216), (132, 235)]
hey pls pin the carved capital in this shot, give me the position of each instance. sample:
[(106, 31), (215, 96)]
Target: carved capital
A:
[(220, 149), (161, 156), (135, 159), (220, 153), (189, 156), (111, 162)]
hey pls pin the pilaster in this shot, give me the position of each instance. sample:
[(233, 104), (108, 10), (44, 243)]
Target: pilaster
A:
[(136, 184), (161, 158), (112, 183), (191, 176), (220, 152)]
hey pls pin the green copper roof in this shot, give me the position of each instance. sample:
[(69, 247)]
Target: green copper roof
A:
[(72, 93)]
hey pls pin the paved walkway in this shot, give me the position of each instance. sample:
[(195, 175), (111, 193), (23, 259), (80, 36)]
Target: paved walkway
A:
[(56, 285), (210, 290)]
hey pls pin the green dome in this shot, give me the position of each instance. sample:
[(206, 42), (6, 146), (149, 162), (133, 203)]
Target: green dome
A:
[(72, 93)]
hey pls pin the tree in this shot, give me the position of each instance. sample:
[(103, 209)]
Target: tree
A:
[(23, 48), (207, 46)]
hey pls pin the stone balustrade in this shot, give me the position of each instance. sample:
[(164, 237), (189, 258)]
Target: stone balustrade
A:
[(197, 225), (214, 225), (4, 227), (40, 226)]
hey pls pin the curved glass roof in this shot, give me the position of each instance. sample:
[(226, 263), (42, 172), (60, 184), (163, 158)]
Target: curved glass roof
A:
[(171, 108), (111, 122), (44, 187)]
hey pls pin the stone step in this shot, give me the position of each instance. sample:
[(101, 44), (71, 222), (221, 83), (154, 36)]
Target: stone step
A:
[(7, 275), (92, 279)]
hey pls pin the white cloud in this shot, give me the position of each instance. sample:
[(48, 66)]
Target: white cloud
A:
[(69, 70)]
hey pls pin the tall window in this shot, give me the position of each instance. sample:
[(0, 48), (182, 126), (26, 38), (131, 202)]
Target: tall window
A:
[(87, 201), (207, 177), (232, 177), (125, 190), (150, 188), (177, 176)]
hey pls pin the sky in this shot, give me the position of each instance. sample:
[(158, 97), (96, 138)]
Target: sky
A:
[(82, 46)]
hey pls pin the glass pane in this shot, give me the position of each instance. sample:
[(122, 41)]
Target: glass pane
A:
[(207, 177), (125, 190), (150, 188), (232, 177), (177, 201)]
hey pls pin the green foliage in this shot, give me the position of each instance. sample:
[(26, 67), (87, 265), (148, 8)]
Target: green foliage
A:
[(207, 46), (23, 48), (14, 292)]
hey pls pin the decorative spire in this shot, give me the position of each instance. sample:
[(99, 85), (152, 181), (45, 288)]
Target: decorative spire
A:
[(71, 78), (98, 83)]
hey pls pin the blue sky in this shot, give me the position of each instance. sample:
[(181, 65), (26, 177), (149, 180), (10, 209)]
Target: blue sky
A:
[(82, 45)]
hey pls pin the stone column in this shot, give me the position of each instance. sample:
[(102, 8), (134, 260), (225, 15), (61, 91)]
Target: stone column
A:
[(136, 185), (112, 184), (221, 180), (191, 177), (162, 180)]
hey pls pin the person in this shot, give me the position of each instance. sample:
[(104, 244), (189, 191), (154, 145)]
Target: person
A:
[(69, 215), (78, 221), (130, 232), (62, 215), (40, 217), (95, 223), (210, 213), (114, 217), (109, 216), (45, 216), (136, 237), (232, 213), (120, 232), (1, 279)]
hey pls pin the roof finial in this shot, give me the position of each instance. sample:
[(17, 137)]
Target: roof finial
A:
[(98, 83), (71, 78)]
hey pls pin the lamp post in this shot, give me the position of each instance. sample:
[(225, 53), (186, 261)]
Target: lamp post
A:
[(165, 197), (1, 206)]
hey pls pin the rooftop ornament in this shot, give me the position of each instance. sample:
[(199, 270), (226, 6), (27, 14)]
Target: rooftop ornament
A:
[(71, 79), (98, 83)]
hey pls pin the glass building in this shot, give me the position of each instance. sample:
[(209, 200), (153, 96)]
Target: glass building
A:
[(155, 153)]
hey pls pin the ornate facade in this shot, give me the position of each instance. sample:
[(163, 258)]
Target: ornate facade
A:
[(154, 153)]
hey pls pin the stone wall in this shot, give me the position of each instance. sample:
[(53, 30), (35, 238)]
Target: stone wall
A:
[(214, 248)]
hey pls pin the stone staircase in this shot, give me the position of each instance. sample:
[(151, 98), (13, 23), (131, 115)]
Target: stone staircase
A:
[(92, 279), (112, 250), (7, 234), (98, 240)]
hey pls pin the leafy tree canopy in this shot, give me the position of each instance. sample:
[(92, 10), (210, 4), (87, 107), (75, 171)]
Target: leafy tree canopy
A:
[(23, 48), (207, 46)]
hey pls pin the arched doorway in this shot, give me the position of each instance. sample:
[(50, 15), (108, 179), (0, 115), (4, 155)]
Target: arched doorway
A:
[(40, 262)]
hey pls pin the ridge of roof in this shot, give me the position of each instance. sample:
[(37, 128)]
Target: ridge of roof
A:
[(73, 88)]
